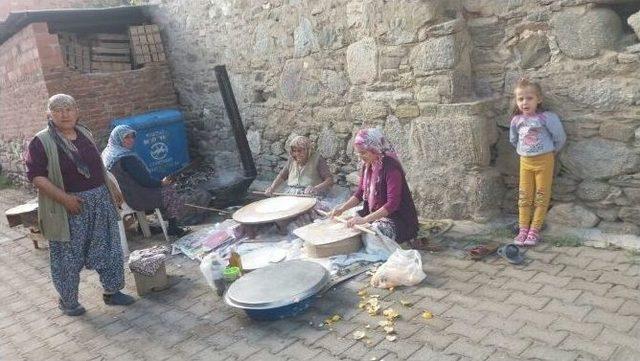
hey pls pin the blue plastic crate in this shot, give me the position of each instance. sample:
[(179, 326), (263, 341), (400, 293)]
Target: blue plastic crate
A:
[(161, 140)]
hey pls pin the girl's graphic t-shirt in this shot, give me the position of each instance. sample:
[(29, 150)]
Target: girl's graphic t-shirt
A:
[(537, 134)]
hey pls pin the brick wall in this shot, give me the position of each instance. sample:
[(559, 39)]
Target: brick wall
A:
[(7, 6), (23, 92), (105, 96)]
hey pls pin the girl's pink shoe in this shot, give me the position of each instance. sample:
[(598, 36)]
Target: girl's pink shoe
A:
[(532, 238), (521, 237)]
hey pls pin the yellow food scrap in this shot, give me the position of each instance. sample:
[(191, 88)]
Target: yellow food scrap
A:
[(389, 329), (406, 303), (333, 319), (427, 315), (391, 338), (359, 335), (390, 314)]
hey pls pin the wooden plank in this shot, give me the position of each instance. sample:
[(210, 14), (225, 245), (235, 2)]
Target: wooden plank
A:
[(111, 45), (111, 59), (103, 50), (108, 36)]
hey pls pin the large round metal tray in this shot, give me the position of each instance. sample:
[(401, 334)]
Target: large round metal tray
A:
[(273, 209), (277, 285)]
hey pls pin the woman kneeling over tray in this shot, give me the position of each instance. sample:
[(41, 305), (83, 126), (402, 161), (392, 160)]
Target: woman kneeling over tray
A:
[(306, 172), (388, 204)]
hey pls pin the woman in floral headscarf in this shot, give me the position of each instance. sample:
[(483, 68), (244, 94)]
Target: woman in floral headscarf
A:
[(388, 204), (305, 172)]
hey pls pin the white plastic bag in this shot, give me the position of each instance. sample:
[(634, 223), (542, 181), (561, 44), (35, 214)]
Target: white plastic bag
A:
[(212, 266), (379, 245), (403, 268)]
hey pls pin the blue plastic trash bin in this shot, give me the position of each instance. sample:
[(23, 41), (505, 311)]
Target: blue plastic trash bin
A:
[(161, 140)]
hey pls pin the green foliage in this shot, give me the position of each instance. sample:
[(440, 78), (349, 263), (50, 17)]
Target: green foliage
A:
[(5, 182), (564, 241)]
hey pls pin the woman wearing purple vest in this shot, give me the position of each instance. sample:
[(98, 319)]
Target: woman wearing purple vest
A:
[(388, 204)]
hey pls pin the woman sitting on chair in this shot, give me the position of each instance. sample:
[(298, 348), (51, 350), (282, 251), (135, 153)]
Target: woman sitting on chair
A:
[(140, 190)]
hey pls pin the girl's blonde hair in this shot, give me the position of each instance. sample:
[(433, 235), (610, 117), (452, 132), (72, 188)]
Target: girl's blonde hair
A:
[(526, 83)]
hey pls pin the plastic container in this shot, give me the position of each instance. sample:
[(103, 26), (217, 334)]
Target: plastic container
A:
[(161, 140), (230, 275)]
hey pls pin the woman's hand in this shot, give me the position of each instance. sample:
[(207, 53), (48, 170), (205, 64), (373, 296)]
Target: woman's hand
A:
[(269, 191), (336, 211), (355, 220), (168, 180), (73, 204), (118, 198), (310, 190)]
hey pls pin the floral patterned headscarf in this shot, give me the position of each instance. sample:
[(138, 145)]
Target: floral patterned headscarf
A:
[(373, 140), (115, 149)]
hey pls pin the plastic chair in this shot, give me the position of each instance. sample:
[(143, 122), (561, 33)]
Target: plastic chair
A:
[(125, 210)]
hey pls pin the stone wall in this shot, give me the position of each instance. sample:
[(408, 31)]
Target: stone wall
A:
[(437, 76)]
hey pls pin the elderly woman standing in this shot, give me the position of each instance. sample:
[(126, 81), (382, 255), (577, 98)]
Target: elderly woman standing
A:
[(141, 191), (76, 210), (305, 172), (388, 204)]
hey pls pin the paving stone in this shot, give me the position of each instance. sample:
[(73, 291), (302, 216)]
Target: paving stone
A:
[(551, 269), (463, 313), (611, 336), (574, 343), (575, 272), (549, 353), (545, 257), (461, 275), (630, 308), (505, 325), (463, 287), (493, 293), (551, 338), (465, 348), (586, 329), (335, 344), (512, 344), (599, 265), (426, 353), (298, 351), (360, 351), (535, 317), (500, 356), (487, 269), (522, 275), (456, 263), (617, 322), (434, 293), (568, 260), (596, 288), (617, 278), (624, 292), (576, 313), (606, 303), (563, 294), (436, 340), (532, 302), (489, 281), (598, 253), (625, 353), (475, 333), (242, 349), (402, 350), (264, 355), (548, 279), (523, 286)]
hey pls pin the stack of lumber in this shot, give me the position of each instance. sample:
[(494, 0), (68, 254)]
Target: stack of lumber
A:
[(146, 44), (110, 52), (76, 53)]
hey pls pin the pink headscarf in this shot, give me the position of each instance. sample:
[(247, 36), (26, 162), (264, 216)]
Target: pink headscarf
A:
[(373, 140)]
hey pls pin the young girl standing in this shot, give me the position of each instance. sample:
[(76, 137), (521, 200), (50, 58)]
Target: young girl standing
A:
[(537, 135)]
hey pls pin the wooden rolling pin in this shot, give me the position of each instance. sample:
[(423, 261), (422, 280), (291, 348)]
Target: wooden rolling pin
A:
[(207, 208), (284, 194), (342, 220)]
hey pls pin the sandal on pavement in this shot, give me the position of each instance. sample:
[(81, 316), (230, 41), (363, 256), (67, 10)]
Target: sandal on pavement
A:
[(478, 252), (533, 237), (511, 253), (521, 237)]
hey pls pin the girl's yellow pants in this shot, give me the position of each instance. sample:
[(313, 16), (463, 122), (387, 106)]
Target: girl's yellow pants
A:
[(536, 177)]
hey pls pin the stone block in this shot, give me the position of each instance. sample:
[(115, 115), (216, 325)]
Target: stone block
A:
[(582, 32), (591, 190), (532, 50), (619, 228), (630, 214), (599, 159), (617, 130), (430, 139), (398, 22), (507, 160), (362, 61), (634, 22), (304, 39), (407, 111), (441, 53), (573, 215)]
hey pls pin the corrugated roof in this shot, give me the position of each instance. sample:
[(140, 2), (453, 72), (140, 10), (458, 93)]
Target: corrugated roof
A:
[(74, 20)]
